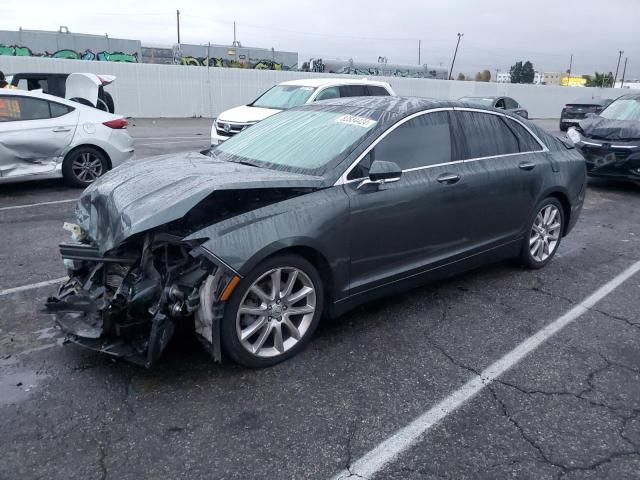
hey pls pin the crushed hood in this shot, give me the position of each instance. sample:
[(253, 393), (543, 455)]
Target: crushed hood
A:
[(143, 194), (246, 113), (604, 129)]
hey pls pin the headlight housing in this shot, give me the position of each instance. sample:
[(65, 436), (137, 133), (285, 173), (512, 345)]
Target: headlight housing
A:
[(573, 135)]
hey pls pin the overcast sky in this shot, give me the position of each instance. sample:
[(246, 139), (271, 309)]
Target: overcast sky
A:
[(496, 32)]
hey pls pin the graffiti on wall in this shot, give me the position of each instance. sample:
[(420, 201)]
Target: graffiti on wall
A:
[(227, 63), (68, 54)]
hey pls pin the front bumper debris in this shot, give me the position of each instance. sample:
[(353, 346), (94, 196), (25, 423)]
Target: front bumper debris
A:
[(128, 303), (608, 161)]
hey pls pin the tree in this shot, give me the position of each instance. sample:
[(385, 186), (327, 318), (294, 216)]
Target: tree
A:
[(486, 76), (461, 76), (528, 73), (478, 77), (516, 72), (599, 80), (522, 73)]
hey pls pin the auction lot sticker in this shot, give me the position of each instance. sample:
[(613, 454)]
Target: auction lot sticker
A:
[(353, 120)]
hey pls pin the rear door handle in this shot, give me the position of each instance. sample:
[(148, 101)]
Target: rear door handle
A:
[(448, 178), (527, 166), (61, 129)]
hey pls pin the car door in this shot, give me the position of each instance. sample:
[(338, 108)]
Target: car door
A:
[(404, 228), (33, 134), (504, 175)]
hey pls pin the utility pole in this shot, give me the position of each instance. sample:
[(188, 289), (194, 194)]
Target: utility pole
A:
[(624, 71), (178, 24), (419, 59), (620, 52), (496, 77), (235, 42), (460, 35)]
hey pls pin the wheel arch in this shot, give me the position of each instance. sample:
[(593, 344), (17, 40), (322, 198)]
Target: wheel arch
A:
[(94, 146), (566, 207), (314, 256)]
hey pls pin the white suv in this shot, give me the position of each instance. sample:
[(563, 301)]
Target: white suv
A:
[(291, 94)]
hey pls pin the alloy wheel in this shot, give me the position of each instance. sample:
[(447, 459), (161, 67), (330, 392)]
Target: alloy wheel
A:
[(545, 233), (87, 167), (276, 312)]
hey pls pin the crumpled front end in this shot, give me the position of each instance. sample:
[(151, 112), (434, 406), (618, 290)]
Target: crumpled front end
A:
[(129, 301)]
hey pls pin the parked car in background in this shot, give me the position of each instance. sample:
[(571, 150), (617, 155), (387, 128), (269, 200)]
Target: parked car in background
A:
[(502, 103), (610, 141), (292, 94), (42, 136), (86, 88), (575, 111), (312, 211)]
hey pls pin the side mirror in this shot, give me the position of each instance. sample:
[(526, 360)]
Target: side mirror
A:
[(381, 173)]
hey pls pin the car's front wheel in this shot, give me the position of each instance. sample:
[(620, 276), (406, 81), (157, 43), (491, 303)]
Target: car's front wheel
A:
[(543, 235), (273, 312), (83, 166)]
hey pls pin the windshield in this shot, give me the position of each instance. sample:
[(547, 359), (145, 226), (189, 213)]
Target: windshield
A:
[(306, 140), (478, 100), (623, 109), (282, 97)]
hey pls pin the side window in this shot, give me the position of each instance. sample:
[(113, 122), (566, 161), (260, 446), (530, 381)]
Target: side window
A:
[(376, 91), (511, 103), (500, 103), (419, 142), (353, 91), (526, 142), (58, 110), (9, 108), (486, 135), (23, 108), (331, 92), (33, 108)]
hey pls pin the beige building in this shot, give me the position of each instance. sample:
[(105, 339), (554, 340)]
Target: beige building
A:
[(552, 78)]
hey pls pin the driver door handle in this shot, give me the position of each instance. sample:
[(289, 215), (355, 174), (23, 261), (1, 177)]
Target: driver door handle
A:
[(61, 129), (448, 178), (527, 166)]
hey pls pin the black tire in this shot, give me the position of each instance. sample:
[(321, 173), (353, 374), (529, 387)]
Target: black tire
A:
[(563, 127), (71, 175), (527, 259), (229, 335)]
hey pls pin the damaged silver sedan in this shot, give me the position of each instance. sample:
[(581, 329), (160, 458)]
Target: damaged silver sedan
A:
[(308, 213)]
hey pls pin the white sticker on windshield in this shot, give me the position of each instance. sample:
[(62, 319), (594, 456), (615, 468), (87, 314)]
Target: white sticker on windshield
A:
[(353, 120)]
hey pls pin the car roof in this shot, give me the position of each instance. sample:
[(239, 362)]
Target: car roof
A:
[(39, 75), (323, 82)]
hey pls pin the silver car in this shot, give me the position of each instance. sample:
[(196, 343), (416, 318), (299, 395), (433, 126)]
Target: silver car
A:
[(42, 136)]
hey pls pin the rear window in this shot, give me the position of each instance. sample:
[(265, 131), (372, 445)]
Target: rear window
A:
[(486, 135), (376, 91)]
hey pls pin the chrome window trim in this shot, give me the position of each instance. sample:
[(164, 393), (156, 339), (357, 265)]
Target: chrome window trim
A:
[(343, 178)]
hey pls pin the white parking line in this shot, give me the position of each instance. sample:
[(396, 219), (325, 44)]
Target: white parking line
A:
[(31, 286), (202, 140), (387, 451), (194, 137), (29, 205)]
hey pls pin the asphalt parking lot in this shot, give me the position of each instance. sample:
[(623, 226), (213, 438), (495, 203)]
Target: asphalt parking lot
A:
[(570, 408)]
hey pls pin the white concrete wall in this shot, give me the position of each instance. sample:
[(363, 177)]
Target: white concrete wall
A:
[(144, 90)]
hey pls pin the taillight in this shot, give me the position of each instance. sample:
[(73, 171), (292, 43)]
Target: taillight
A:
[(117, 124)]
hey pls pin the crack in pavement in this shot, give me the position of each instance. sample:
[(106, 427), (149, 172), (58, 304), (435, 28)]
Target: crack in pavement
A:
[(564, 469)]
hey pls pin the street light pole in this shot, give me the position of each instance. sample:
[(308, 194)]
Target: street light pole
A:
[(178, 25), (624, 71), (460, 35), (620, 52)]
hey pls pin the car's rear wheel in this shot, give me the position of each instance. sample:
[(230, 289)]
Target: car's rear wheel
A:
[(543, 235), (273, 312), (83, 166)]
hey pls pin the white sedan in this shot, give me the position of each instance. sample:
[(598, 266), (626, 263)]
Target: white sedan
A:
[(42, 136)]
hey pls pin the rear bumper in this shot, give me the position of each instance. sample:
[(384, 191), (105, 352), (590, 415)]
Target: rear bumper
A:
[(119, 147)]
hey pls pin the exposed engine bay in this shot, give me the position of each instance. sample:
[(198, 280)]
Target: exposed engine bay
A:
[(128, 302)]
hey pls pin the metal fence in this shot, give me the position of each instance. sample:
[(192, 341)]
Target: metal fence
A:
[(143, 90)]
